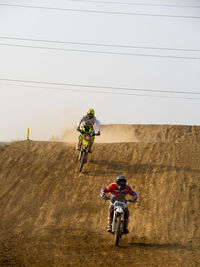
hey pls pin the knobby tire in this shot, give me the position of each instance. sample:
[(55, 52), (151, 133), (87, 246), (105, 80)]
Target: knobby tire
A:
[(82, 161), (117, 232)]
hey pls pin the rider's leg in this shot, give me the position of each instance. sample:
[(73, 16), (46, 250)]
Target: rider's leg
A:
[(126, 221), (91, 144), (110, 217), (80, 139)]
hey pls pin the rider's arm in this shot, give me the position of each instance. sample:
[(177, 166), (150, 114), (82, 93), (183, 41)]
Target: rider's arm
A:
[(81, 120), (97, 124), (106, 190), (132, 193)]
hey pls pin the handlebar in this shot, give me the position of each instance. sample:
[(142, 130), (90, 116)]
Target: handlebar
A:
[(128, 200), (82, 132), (132, 201), (79, 130)]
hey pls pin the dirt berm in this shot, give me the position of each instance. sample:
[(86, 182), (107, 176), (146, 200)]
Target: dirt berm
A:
[(52, 215)]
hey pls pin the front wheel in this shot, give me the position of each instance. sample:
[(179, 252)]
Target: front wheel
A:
[(79, 156), (83, 160), (117, 231)]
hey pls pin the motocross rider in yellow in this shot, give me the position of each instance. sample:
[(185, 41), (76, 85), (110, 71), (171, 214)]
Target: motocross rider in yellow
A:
[(86, 123)]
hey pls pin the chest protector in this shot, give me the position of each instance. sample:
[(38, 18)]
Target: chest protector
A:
[(89, 121)]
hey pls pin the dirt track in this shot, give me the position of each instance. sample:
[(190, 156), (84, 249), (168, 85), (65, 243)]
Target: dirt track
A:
[(51, 215)]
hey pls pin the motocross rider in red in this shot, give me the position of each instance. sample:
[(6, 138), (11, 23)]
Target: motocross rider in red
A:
[(118, 190)]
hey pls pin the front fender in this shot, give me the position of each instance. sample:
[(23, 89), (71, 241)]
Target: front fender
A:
[(85, 144), (119, 210)]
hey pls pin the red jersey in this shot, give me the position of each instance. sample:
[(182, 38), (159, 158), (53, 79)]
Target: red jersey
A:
[(116, 193)]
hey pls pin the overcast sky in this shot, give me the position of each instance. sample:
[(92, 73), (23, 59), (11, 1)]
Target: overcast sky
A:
[(57, 103)]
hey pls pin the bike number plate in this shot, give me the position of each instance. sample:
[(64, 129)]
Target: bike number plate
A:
[(119, 204)]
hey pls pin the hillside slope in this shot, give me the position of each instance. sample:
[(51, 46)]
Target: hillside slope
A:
[(52, 215), (115, 133)]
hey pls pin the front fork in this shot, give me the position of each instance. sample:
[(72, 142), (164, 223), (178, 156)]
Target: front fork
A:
[(84, 154), (84, 150), (114, 223)]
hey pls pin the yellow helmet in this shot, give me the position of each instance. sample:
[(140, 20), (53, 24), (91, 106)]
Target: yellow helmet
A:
[(90, 113)]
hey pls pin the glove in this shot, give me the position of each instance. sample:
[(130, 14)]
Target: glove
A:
[(105, 197), (78, 129), (133, 200), (98, 133)]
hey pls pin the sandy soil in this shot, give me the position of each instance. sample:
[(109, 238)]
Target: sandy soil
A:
[(2, 144), (52, 215)]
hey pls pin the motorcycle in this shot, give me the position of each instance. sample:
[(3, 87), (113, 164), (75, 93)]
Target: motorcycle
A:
[(83, 153), (118, 219)]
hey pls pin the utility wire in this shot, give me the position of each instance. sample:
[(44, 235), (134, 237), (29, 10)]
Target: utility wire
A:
[(101, 87), (96, 44), (102, 12), (128, 3), (98, 52), (99, 92)]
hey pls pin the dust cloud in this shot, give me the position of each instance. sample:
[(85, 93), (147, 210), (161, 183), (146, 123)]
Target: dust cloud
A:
[(109, 134), (117, 133)]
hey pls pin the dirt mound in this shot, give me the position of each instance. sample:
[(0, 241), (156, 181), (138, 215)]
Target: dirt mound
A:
[(115, 133), (52, 215)]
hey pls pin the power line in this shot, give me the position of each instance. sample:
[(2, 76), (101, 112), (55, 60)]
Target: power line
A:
[(101, 87), (102, 12), (98, 52), (99, 92), (97, 44), (128, 3)]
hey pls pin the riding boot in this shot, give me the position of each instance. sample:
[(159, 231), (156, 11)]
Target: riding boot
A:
[(90, 148), (78, 147), (126, 231)]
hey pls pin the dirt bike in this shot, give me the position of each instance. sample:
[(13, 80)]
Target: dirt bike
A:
[(83, 154), (118, 219)]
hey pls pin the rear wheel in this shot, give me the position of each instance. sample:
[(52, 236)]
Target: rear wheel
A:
[(117, 231)]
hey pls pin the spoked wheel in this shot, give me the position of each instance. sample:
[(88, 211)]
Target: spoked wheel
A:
[(117, 232)]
